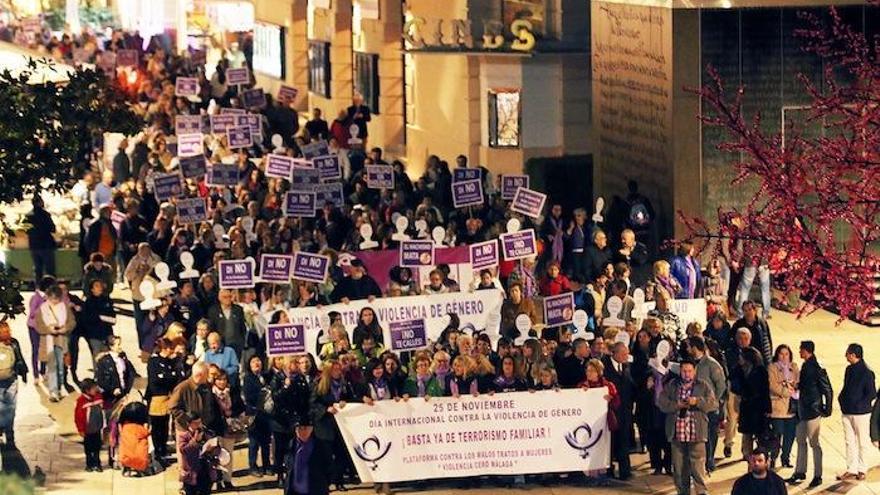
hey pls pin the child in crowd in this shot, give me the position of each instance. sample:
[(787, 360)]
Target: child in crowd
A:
[(89, 418)]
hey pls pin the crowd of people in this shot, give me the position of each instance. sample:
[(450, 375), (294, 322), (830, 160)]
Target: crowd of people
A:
[(674, 389)]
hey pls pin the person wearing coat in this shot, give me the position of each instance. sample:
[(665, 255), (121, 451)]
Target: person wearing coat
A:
[(784, 376), (253, 388), (814, 403), (515, 305), (98, 317), (686, 400), (97, 269), (162, 377), (423, 383), (13, 369), (330, 394), (710, 371), (618, 371), (289, 391), (227, 319), (754, 406), (113, 385), (686, 270), (855, 400), (308, 464), (54, 322)]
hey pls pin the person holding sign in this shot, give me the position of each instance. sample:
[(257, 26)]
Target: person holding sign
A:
[(332, 393), (513, 306), (423, 383)]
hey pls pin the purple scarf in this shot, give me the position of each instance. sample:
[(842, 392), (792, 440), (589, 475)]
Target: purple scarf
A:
[(558, 246)]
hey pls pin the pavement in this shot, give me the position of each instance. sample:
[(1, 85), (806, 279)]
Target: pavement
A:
[(48, 442)]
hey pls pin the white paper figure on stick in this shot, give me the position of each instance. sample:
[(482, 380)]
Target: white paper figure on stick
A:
[(148, 290), (400, 224), (614, 306), (639, 309), (438, 234), (513, 225), (600, 205), (523, 323), (579, 319), (278, 143), (247, 223), (219, 233), (367, 234), (622, 337), (187, 260), (421, 229), (354, 131), (162, 271)]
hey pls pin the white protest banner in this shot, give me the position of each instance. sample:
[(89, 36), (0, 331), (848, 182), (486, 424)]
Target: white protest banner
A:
[(504, 434), (688, 310), (474, 308)]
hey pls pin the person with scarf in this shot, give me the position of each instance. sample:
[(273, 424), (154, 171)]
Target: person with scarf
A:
[(422, 383), (784, 376), (524, 273), (330, 394), (115, 375), (441, 367), (308, 464), (664, 281), (594, 378), (553, 234), (464, 378), (685, 268), (259, 435), (598, 254), (287, 392), (138, 268), (230, 405), (510, 379), (54, 321)]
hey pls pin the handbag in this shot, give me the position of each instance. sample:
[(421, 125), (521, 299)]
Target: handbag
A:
[(793, 406), (613, 423)]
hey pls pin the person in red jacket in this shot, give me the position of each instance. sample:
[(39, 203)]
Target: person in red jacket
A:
[(555, 282), (595, 378), (88, 415)]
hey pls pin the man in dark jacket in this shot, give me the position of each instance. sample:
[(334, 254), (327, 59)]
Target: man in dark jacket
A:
[(855, 405), (814, 403), (132, 231), (193, 395), (121, 163), (40, 241), (760, 479), (761, 338), (227, 319), (317, 127), (617, 371), (358, 285), (572, 369), (307, 464), (597, 254), (634, 254)]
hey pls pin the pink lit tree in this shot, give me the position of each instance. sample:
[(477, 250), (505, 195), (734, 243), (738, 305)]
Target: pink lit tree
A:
[(817, 198)]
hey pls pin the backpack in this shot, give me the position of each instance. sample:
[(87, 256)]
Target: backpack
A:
[(7, 362), (638, 216)]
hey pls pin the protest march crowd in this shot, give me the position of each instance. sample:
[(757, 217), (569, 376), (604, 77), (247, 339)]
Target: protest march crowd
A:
[(223, 232)]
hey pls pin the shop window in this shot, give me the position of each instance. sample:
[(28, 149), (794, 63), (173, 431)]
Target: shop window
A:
[(504, 118), (366, 79), (319, 68)]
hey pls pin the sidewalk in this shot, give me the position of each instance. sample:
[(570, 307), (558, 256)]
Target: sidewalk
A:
[(47, 438)]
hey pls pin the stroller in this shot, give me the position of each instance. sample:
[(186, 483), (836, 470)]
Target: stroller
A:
[(132, 440)]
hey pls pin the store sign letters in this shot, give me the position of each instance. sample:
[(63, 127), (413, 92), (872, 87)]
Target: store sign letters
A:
[(421, 33)]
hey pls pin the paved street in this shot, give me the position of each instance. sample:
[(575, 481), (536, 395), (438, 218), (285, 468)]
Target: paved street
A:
[(48, 440)]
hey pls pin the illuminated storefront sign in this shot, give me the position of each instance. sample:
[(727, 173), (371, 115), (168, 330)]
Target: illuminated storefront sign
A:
[(422, 34)]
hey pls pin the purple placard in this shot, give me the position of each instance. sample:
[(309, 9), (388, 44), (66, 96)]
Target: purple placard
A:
[(221, 174), (328, 166), (287, 94), (239, 137), (186, 86), (461, 174), (192, 210), (407, 335), (527, 202), (510, 183), (467, 193), (126, 58), (250, 120), (194, 167), (331, 192), (518, 245), (558, 310), (318, 148), (237, 76), (276, 268), (232, 111), (416, 253), (279, 166), (237, 274), (310, 267), (304, 179), (299, 204), (190, 145), (285, 339), (484, 255), (199, 57), (187, 124), (380, 176), (221, 123), (254, 98), (167, 186)]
